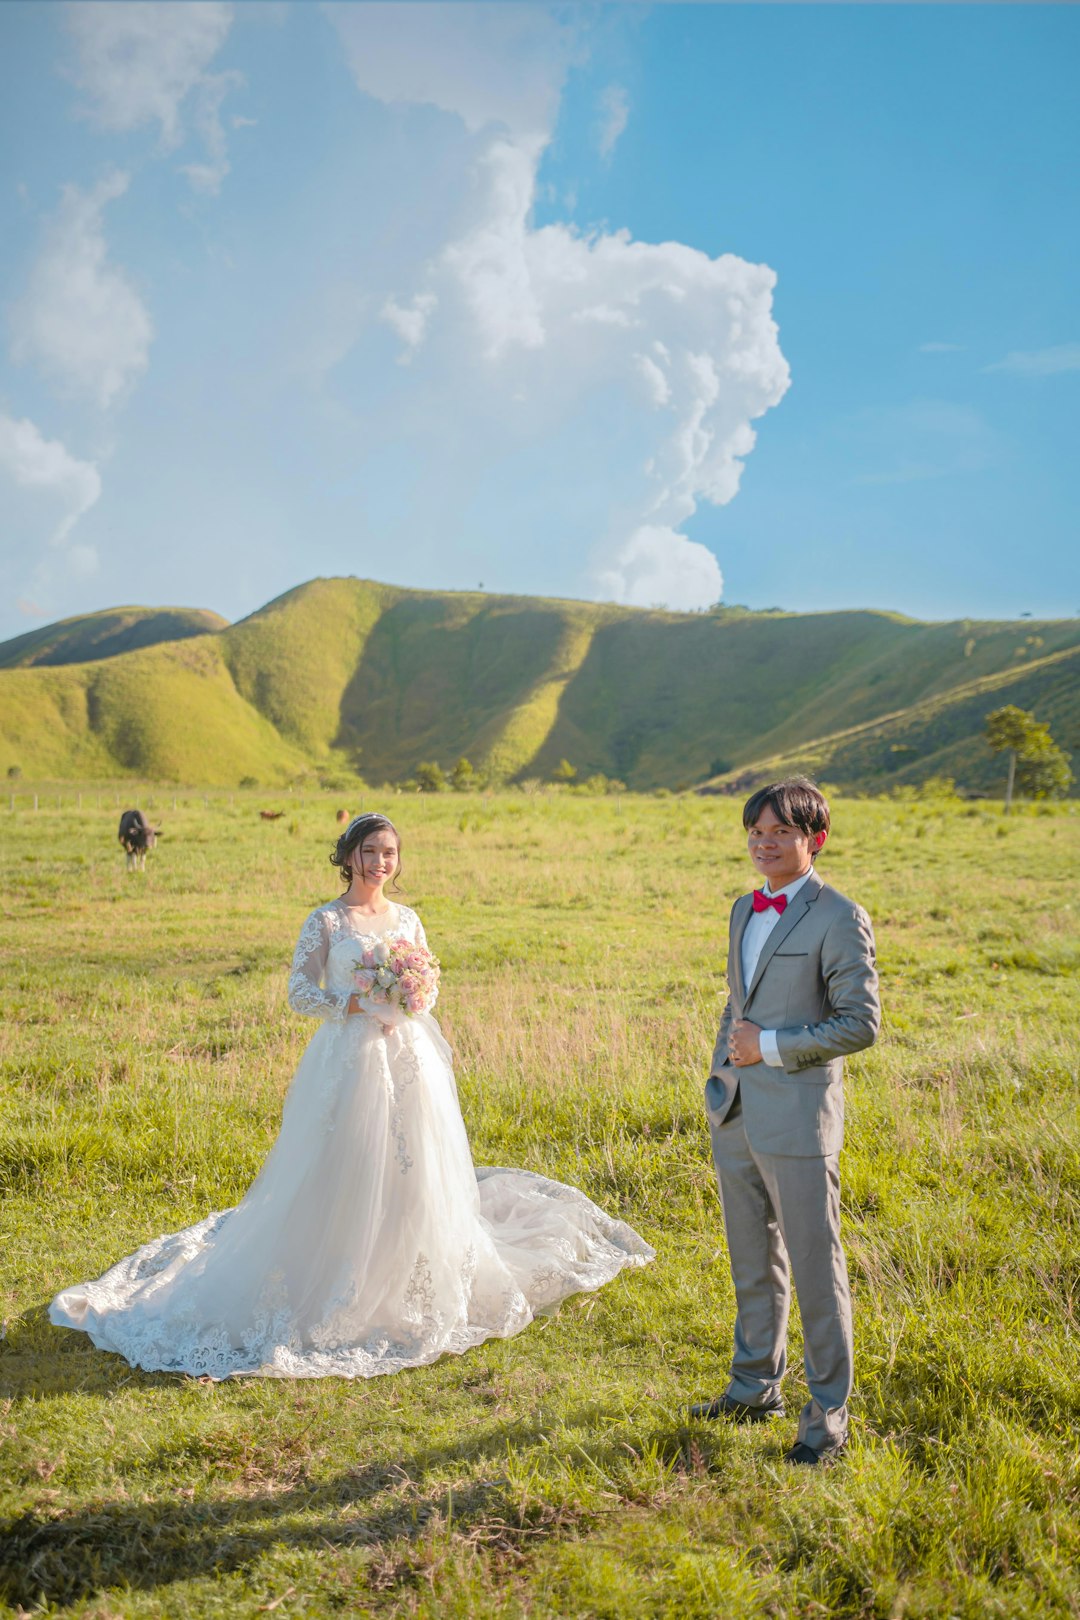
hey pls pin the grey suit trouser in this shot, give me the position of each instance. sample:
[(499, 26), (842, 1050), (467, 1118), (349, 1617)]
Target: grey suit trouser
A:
[(781, 1210)]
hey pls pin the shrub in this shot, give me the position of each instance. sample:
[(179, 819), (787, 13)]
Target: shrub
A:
[(463, 776), (430, 777)]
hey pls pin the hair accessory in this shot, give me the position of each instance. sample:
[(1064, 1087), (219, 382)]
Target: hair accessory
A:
[(368, 815)]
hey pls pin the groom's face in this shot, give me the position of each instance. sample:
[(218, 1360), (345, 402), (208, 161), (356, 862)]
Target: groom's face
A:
[(779, 852)]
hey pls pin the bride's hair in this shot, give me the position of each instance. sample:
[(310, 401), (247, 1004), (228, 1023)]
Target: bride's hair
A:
[(352, 839)]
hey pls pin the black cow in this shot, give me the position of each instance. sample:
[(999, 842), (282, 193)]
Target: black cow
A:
[(137, 836)]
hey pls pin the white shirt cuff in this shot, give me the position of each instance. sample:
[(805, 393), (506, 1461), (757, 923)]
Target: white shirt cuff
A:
[(770, 1052)]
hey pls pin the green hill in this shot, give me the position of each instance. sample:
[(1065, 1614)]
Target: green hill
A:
[(941, 736), (345, 672), (101, 635)]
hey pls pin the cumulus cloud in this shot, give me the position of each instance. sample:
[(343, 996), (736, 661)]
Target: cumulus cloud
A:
[(489, 64), (658, 567), (599, 387), (146, 61), (81, 321), (1040, 362), (48, 491), (614, 117), (560, 322)]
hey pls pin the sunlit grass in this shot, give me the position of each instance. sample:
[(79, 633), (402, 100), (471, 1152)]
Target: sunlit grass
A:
[(144, 1054)]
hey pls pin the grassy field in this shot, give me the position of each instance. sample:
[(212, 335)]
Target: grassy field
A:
[(144, 1051)]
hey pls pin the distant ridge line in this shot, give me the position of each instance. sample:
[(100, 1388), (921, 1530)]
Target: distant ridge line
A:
[(340, 676)]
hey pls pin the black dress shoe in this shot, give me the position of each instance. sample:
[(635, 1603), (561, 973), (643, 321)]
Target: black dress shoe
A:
[(806, 1457), (727, 1406)]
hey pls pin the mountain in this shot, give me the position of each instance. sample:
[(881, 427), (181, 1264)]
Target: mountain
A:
[(374, 678), (101, 635)]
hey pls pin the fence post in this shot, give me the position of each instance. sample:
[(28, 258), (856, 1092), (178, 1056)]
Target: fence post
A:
[(35, 801)]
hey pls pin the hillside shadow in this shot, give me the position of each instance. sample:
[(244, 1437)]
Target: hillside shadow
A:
[(147, 1546), (417, 656)]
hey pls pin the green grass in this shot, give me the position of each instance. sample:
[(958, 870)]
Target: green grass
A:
[(347, 673), (144, 1052), (90, 636)]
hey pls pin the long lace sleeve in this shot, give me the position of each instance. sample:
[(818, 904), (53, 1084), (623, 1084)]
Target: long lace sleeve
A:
[(306, 994)]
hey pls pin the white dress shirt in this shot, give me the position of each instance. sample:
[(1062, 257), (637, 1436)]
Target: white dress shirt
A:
[(756, 932)]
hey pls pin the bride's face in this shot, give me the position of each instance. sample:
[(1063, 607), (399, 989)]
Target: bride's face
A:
[(376, 860)]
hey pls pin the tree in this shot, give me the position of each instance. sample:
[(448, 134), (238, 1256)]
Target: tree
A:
[(463, 776), (430, 777), (564, 772), (1043, 772), (1035, 759)]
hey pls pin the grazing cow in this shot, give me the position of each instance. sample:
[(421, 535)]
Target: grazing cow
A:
[(342, 817), (137, 836), (271, 815)]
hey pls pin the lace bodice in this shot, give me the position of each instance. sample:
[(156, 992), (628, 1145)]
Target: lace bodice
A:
[(325, 958)]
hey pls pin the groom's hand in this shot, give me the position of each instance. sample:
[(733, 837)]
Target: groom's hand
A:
[(744, 1043)]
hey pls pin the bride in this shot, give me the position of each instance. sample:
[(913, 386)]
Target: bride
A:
[(369, 1241)]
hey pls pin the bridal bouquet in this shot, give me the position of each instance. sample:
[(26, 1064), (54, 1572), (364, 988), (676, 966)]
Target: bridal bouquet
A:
[(396, 973)]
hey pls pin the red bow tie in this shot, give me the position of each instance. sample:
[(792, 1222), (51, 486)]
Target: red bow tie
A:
[(763, 901)]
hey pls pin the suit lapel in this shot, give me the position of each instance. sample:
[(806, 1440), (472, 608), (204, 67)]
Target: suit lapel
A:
[(744, 908), (795, 911)]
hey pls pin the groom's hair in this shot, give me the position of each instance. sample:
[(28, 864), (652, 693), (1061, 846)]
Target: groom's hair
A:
[(795, 801)]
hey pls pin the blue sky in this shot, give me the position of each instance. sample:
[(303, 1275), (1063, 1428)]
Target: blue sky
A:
[(650, 304)]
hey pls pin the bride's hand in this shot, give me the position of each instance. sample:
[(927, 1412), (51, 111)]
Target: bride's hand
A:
[(360, 1004)]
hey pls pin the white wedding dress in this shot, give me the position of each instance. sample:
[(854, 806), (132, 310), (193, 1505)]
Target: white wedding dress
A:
[(369, 1242)]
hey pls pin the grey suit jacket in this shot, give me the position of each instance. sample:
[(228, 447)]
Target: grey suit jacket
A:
[(816, 984)]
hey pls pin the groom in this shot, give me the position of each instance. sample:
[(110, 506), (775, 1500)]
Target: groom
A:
[(803, 993)]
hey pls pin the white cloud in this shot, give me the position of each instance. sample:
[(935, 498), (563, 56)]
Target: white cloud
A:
[(614, 117), (658, 567), (145, 61), (598, 386), (80, 320), (1040, 362), (48, 489), (207, 100), (714, 358), (409, 321), (655, 381), (489, 64)]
